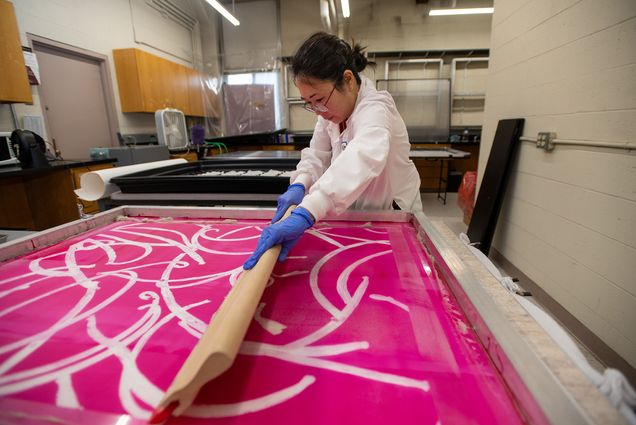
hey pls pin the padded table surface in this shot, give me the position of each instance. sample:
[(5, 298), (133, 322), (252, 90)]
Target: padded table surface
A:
[(354, 327)]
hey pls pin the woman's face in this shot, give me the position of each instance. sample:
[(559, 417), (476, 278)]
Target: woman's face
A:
[(332, 103)]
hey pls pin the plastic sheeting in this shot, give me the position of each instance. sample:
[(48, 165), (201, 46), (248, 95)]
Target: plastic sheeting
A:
[(249, 108)]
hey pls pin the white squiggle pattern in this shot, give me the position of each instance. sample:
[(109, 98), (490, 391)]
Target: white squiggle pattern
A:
[(66, 396), (271, 326), (391, 300), (341, 283), (102, 270), (320, 235), (132, 381), (250, 406), (285, 354), (314, 282), (18, 381)]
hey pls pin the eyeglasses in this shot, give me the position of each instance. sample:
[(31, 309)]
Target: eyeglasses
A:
[(319, 107)]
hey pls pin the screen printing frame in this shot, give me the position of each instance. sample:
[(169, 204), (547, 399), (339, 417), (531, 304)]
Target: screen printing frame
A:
[(539, 395)]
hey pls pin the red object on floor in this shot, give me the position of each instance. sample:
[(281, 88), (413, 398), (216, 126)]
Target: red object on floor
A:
[(466, 194)]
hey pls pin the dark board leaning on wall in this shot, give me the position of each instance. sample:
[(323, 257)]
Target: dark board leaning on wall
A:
[(493, 185)]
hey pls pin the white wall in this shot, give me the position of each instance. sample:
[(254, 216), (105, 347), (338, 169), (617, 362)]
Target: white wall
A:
[(101, 26), (396, 25), (569, 220)]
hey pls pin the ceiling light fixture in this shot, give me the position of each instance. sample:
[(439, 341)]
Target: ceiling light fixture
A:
[(345, 8), (223, 11), (469, 11)]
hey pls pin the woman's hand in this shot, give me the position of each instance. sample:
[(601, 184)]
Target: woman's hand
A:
[(293, 196), (287, 232)]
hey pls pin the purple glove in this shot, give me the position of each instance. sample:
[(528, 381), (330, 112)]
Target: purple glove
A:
[(293, 196), (286, 233)]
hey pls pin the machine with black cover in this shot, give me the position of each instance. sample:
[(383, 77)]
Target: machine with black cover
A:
[(245, 175), (30, 148)]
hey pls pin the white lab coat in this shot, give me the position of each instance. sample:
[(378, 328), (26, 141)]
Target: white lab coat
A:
[(365, 167)]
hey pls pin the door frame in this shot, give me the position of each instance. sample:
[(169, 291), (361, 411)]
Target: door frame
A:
[(104, 70)]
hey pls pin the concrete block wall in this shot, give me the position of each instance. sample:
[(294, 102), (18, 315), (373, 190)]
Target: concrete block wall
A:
[(569, 219)]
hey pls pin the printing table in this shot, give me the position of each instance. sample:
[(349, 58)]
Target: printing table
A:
[(372, 319), (268, 154), (179, 185)]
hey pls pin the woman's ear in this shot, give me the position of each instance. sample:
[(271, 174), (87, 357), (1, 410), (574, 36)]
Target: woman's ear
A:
[(349, 79)]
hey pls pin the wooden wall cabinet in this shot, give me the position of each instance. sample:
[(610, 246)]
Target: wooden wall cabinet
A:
[(148, 82), (14, 83), (195, 91)]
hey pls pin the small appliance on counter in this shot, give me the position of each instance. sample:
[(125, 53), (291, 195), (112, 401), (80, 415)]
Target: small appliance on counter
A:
[(129, 155), (171, 128), (7, 156), (137, 139), (29, 148)]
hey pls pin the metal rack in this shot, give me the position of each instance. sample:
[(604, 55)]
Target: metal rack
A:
[(399, 62), (465, 95)]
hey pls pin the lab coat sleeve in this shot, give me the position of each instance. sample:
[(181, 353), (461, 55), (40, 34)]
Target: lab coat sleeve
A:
[(315, 159), (353, 170)]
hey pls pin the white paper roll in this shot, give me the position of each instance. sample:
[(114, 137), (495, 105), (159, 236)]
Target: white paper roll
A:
[(95, 185)]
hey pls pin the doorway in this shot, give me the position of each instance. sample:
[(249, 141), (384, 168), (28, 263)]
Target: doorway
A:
[(76, 96)]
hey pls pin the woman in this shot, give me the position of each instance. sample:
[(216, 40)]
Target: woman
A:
[(358, 156)]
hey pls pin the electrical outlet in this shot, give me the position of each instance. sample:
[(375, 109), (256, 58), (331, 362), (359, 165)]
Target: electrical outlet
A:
[(545, 140)]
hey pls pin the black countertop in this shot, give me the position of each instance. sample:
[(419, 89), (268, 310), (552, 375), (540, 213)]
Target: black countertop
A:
[(18, 171), (264, 138), (457, 137)]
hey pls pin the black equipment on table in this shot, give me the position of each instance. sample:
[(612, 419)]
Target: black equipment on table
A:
[(202, 177), (30, 148)]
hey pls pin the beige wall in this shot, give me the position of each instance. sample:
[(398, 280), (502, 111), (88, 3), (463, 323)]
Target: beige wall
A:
[(396, 25), (400, 26), (101, 26), (569, 220)]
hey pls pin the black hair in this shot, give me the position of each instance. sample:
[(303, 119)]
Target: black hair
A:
[(326, 57)]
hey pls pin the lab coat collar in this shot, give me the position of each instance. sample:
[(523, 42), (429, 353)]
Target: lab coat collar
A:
[(362, 91)]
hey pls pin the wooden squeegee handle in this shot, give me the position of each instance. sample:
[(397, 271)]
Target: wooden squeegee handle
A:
[(216, 350)]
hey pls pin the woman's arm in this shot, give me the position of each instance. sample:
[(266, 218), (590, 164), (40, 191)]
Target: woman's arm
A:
[(315, 159), (364, 159)]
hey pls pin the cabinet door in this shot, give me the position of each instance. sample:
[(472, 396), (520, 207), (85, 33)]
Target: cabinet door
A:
[(203, 100), (148, 82), (181, 88), (14, 84), (155, 82), (195, 93), (131, 96)]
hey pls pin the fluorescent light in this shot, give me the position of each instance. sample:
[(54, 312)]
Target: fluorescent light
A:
[(470, 11), (223, 11), (345, 8)]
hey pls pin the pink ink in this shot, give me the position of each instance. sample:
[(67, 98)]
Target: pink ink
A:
[(354, 328)]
